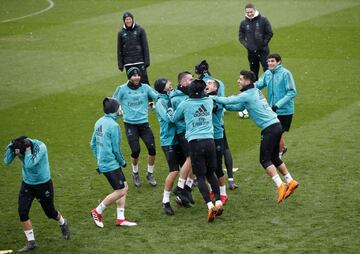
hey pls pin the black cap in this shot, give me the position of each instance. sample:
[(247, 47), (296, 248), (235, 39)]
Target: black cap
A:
[(202, 67), (110, 105), (132, 71), (20, 144), (127, 14), (196, 88), (160, 84)]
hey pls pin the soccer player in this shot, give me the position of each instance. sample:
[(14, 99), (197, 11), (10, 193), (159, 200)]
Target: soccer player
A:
[(212, 87), (281, 92), (168, 140), (133, 97), (36, 183), (197, 112), (202, 70), (259, 110), (185, 181), (105, 145)]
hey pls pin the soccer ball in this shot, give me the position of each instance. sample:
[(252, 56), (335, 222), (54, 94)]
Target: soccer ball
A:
[(244, 114)]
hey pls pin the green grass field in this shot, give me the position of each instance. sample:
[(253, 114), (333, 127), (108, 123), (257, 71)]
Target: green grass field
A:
[(57, 66)]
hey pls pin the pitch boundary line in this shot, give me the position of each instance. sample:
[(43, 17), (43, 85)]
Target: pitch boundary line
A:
[(51, 5)]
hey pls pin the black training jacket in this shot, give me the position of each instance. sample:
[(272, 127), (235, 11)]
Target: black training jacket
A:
[(132, 46), (255, 34)]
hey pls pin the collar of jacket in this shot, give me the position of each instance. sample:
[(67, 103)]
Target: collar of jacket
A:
[(183, 89), (247, 87), (132, 86), (276, 69), (198, 95), (113, 116), (129, 28), (163, 96)]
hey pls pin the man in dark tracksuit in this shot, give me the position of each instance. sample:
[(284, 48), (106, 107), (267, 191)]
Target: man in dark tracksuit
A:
[(132, 47), (255, 34)]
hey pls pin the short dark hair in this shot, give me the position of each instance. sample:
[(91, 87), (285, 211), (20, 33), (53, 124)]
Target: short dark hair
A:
[(182, 75), (276, 56), (248, 75), (250, 5)]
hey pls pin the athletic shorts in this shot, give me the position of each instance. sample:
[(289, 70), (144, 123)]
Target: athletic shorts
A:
[(174, 157), (269, 146), (44, 193), (116, 179), (184, 144), (143, 131), (203, 156), (285, 122)]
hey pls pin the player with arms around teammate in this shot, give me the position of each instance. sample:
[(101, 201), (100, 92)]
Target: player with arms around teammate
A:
[(105, 145), (281, 93), (36, 183), (259, 110), (169, 143), (197, 112), (133, 97)]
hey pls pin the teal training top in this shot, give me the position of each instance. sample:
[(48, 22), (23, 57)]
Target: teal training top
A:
[(134, 102), (35, 164), (281, 89), (254, 101), (197, 113), (176, 97), (105, 143), (167, 128)]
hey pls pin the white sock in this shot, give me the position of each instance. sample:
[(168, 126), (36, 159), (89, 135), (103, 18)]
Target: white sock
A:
[(280, 155), (166, 197), (135, 168), (231, 179), (209, 186), (210, 205), (181, 183), (120, 213), (29, 235), (100, 208), (151, 169), (218, 202), (223, 190), (288, 178), (277, 180), (61, 221), (189, 182)]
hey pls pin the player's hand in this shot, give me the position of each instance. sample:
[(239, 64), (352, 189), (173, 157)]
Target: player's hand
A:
[(170, 111), (274, 108), (124, 165)]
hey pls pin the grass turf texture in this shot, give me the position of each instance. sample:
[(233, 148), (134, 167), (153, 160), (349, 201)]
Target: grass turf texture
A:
[(56, 68)]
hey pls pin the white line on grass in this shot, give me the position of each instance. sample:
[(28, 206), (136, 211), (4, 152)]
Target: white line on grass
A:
[(51, 5)]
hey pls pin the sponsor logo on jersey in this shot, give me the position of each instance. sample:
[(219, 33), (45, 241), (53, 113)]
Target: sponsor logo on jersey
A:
[(202, 111)]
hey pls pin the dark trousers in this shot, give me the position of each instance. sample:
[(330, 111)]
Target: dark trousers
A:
[(255, 59)]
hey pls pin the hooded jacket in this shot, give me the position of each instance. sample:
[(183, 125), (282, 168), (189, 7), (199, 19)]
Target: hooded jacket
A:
[(167, 128), (281, 89), (255, 34), (176, 97), (132, 46), (105, 144)]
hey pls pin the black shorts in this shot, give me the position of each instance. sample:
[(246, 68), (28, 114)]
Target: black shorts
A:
[(184, 144), (269, 146), (44, 193), (116, 179), (203, 156), (285, 122), (219, 146), (174, 157), (143, 131)]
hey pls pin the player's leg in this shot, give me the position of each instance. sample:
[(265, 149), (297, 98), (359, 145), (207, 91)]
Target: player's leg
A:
[(254, 63), (26, 196), (229, 163), (132, 135), (147, 137), (218, 170), (285, 121)]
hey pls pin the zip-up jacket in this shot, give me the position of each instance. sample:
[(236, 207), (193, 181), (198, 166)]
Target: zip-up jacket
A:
[(176, 97), (105, 143), (255, 34), (132, 46), (255, 102), (35, 163), (167, 128), (281, 89), (134, 102)]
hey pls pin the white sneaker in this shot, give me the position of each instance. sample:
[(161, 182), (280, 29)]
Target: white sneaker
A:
[(125, 223), (97, 218)]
